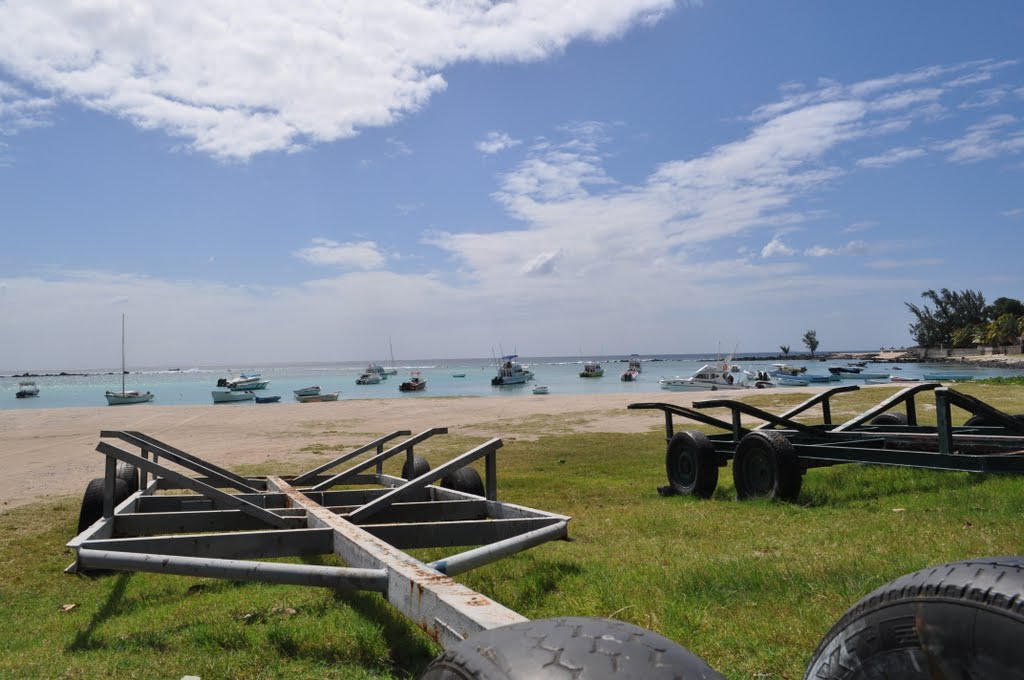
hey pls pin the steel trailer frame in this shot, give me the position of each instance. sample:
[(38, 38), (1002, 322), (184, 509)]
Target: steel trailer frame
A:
[(226, 526), (785, 448)]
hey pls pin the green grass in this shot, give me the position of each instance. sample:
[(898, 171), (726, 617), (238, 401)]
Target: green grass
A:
[(751, 587)]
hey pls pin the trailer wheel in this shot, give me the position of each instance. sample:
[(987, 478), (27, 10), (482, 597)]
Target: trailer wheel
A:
[(982, 421), (129, 473), (691, 464), (890, 418), (466, 480), (956, 620), (765, 466), (92, 501), (569, 647), (420, 467)]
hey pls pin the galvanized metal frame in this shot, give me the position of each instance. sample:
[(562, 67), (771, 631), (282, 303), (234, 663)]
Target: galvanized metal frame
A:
[(997, 448), (229, 525)]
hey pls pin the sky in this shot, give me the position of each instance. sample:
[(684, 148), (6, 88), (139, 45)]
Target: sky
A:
[(263, 181)]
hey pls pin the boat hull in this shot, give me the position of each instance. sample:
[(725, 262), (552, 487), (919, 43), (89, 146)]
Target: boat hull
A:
[(125, 398), (229, 396), (311, 398)]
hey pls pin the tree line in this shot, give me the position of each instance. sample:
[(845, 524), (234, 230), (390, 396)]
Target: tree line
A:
[(963, 319)]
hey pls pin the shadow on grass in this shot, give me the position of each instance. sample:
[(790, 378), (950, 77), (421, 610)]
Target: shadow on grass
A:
[(848, 485), (411, 650), (84, 640)]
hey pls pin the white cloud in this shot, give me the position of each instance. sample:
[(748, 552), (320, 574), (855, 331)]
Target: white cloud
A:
[(20, 110), (997, 136), (905, 263), (544, 264), (493, 142), (851, 248), (237, 78), (890, 158), (364, 255), (1013, 213), (775, 248), (859, 226)]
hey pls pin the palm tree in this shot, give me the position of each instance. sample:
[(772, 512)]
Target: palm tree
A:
[(785, 349)]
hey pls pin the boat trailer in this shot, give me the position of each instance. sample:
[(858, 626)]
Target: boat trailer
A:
[(160, 509), (770, 459)]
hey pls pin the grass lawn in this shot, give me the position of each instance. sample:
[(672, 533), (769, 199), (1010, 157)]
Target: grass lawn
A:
[(751, 587)]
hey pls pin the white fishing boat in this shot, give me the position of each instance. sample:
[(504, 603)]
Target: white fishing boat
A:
[(370, 376), (635, 364), (126, 396), (786, 369), (792, 381), (709, 377), (26, 389), (324, 396), (511, 372), (629, 375), (229, 396), (244, 381), (540, 389), (307, 391)]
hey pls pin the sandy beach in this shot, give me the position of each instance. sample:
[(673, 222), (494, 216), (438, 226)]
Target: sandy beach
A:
[(47, 453)]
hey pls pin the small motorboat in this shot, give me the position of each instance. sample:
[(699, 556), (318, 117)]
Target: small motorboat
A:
[(369, 378), (243, 382), (540, 389), (310, 398), (900, 378), (458, 375), (26, 389), (839, 370), (790, 381), (591, 369), (231, 396), (415, 383), (307, 391), (268, 400), (628, 375)]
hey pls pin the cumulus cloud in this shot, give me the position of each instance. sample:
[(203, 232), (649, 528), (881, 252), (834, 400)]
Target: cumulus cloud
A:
[(360, 255), (775, 248), (544, 264), (493, 142), (237, 78)]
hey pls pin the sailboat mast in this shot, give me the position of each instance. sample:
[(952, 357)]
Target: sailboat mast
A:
[(122, 354)]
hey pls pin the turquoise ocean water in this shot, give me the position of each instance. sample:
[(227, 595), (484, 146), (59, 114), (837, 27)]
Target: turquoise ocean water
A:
[(560, 374)]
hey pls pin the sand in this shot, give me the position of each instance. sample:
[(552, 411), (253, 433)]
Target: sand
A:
[(49, 453)]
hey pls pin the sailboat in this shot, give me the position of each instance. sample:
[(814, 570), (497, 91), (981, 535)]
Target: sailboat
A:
[(391, 370), (126, 396)]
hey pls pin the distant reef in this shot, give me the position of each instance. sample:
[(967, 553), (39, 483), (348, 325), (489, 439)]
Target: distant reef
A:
[(56, 375)]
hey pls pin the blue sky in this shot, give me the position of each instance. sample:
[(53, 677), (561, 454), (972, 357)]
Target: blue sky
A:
[(251, 182)]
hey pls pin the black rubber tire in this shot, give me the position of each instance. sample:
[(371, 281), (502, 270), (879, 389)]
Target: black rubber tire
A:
[(956, 620), (569, 647), (130, 474), (466, 480), (691, 464), (890, 418), (420, 467), (766, 466), (982, 421), (92, 501)]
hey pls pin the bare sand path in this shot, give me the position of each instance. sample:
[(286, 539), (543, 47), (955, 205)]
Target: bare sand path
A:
[(46, 453)]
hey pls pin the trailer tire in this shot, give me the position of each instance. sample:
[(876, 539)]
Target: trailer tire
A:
[(92, 501), (766, 466), (466, 480), (890, 418), (419, 467), (982, 421), (956, 620), (129, 473), (568, 647), (691, 464)]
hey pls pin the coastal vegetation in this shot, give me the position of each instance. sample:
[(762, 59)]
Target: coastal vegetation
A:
[(751, 587), (811, 341), (963, 319)]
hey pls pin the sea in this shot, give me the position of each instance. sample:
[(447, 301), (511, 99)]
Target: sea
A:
[(193, 385)]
